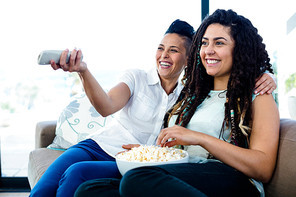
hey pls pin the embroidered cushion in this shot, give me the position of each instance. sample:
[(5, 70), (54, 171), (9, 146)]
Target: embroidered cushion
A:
[(76, 122)]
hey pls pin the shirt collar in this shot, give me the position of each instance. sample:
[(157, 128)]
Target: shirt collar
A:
[(153, 78)]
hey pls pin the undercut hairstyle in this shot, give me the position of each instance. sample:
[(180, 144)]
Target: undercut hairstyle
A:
[(250, 61), (183, 29)]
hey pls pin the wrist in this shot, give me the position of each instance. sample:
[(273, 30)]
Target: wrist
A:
[(83, 72)]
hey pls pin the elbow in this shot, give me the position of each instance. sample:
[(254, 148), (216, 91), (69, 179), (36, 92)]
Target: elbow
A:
[(264, 178), (267, 176), (261, 169), (264, 175), (104, 113)]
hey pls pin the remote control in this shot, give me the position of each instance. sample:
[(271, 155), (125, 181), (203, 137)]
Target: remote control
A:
[(47, 55)]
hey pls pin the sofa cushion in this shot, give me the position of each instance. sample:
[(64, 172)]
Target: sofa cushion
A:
[(39, 160), (76, 122), (284, 177)]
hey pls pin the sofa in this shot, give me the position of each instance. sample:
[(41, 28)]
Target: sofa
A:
[(282, 184)]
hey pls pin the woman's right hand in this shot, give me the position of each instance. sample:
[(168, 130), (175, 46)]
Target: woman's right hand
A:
[(104, 103), (177, 135), (74, 65)]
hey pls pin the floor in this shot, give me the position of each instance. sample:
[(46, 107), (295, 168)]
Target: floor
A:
[(19, 194)]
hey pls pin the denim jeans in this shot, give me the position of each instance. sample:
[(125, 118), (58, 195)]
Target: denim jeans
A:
[(81, 162)]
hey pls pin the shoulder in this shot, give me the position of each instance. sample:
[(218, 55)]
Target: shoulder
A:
[(134, 78), (262, 97), (264, 104)]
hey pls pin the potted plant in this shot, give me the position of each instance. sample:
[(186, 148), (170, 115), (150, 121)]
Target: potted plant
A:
[(291, 91)]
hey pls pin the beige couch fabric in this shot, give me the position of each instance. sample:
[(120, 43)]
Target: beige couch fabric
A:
[(282, 184)]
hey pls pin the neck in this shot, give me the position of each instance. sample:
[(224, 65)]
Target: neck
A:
[(220, 83), (168, 85)]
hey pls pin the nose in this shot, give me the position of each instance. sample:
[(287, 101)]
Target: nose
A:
[(164, 54), (209, 50)]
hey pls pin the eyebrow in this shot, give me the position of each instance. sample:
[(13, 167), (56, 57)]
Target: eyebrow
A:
[(170, 46), (217, 38)]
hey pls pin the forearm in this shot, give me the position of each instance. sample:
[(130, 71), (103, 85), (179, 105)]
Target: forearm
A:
[(259, 159), (96, 94), (253, 163)]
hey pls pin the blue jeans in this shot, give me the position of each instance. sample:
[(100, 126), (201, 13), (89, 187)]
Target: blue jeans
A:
[(190, 180), (81, 162)]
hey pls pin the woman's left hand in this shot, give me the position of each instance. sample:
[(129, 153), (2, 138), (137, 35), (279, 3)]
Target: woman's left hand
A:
[(265, 84), (130, 146), (176, 135)]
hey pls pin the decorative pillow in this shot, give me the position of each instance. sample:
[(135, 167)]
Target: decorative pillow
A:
[(76, 122)]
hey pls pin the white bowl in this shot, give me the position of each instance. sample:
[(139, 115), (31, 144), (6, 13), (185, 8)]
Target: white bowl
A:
[(125, 166)]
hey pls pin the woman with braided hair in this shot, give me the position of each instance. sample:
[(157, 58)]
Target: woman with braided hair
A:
[(230, 133)]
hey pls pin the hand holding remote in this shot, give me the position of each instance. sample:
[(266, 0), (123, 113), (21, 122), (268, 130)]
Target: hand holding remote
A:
[(63, 60), (47, 55)]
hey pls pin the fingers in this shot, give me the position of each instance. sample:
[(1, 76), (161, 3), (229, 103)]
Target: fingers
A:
[(54, 65), (73, 64), (160, 137), (266, 84), (75, 61), (130, 146), (170, 143), (79, 55), (163, 138), (270, 91), (263, 87), (267, 90), (72, 60), (63, 60), (120, 152)]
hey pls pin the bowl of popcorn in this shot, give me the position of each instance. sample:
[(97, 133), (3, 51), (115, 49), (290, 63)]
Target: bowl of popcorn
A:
[(149, 156)]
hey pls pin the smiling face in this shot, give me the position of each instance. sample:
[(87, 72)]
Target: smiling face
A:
[(216, 52), (171, 57)]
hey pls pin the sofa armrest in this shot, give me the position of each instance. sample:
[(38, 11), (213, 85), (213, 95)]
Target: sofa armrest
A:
[(283, 181), (44, 133)]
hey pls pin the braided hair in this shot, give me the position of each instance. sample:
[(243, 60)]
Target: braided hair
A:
[(250, 60)]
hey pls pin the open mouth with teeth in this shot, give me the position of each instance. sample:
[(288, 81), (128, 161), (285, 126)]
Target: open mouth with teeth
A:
[(165, 64), (212, 61)]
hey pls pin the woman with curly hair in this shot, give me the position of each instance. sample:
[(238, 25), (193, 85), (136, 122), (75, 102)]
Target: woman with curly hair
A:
[(230, 133)]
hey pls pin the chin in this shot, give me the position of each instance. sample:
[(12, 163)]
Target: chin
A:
[(211, 73)]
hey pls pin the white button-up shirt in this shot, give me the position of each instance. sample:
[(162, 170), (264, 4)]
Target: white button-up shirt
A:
[(141, 119)]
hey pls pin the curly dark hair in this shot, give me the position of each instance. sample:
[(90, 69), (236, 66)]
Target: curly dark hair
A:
[(250, 61)]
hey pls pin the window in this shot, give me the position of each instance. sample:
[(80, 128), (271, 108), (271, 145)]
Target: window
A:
[(276, 23), (113, 35)]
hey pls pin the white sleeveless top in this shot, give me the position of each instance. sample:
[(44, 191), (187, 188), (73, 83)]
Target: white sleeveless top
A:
[(208, 118)]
